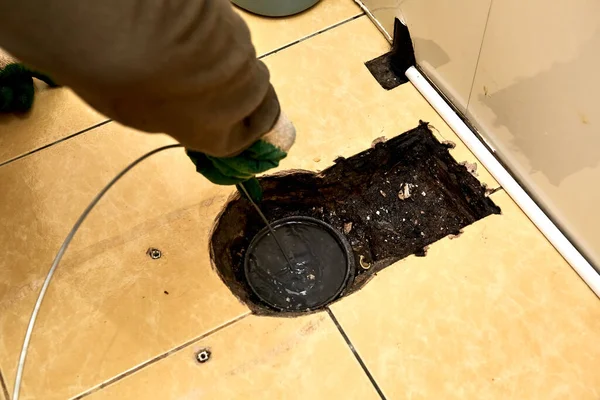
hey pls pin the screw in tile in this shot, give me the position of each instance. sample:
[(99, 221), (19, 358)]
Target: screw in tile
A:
[(203, 356), (154, 254)]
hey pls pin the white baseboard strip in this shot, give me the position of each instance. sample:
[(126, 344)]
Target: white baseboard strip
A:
[(508, 183)]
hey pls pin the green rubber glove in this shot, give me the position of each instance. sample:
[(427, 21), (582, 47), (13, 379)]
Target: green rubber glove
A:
[(263, 155), (16, 87)]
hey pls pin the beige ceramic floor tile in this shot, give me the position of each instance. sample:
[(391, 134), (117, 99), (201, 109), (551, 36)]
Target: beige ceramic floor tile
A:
[(110, 306), (269, 34), (494, 314), (56, 114), (338, 107), (256, 358)]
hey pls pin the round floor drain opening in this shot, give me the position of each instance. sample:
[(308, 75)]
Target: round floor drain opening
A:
[(321, 264)]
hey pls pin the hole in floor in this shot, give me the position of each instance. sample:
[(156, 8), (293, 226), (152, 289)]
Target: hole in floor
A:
[(385, 203)]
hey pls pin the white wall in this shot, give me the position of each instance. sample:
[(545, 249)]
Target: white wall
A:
[(526, 74), (447, 35)]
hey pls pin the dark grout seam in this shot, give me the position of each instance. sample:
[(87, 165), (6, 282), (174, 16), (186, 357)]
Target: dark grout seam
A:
[(157, 358), (311, 35), (55, 142), (358, 358), (4, 387)]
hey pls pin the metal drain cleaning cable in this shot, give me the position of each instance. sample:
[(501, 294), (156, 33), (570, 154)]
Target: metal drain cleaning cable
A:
[(59, 256)]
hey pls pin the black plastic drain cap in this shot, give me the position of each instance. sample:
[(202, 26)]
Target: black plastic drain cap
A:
[(322, 265)]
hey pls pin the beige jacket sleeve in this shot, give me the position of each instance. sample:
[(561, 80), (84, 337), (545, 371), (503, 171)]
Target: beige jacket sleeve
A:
[(182, 67)]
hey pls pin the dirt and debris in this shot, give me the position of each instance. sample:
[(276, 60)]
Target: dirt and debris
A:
[(383, 229), (383, 193), (449, 144), (382, 71), (347, 227), (317, 159), (455, 235), (378, 140), (471, 167), (166, 292), (364, 264), (405, 189), (488, 190)]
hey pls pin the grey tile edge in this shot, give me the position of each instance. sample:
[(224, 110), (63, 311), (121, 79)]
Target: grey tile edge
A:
[(356, 355)]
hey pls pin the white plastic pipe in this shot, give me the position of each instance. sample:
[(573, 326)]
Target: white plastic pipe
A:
[(508, 183)]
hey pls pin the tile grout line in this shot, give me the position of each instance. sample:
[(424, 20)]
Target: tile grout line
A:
[(369, 13), (4, 387), (160, 357), (337, 24), (356, 355), (55, 142)]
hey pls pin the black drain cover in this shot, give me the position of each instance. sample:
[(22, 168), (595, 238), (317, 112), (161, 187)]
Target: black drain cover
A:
[(321, 258)]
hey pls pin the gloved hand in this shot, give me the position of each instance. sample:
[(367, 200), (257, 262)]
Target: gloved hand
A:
[(16, 88), (264, 154), (16, 85)]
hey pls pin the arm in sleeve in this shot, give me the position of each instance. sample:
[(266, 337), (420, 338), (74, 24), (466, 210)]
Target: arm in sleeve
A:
[(182, 67)]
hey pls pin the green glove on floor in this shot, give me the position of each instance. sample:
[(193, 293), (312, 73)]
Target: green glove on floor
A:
[(264, 154), (16, 87)]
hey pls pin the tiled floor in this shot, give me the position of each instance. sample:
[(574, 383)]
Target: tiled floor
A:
[(46, 123), (493, 314)]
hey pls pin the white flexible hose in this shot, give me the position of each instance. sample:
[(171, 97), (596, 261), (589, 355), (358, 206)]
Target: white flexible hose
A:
[(57, 259)]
